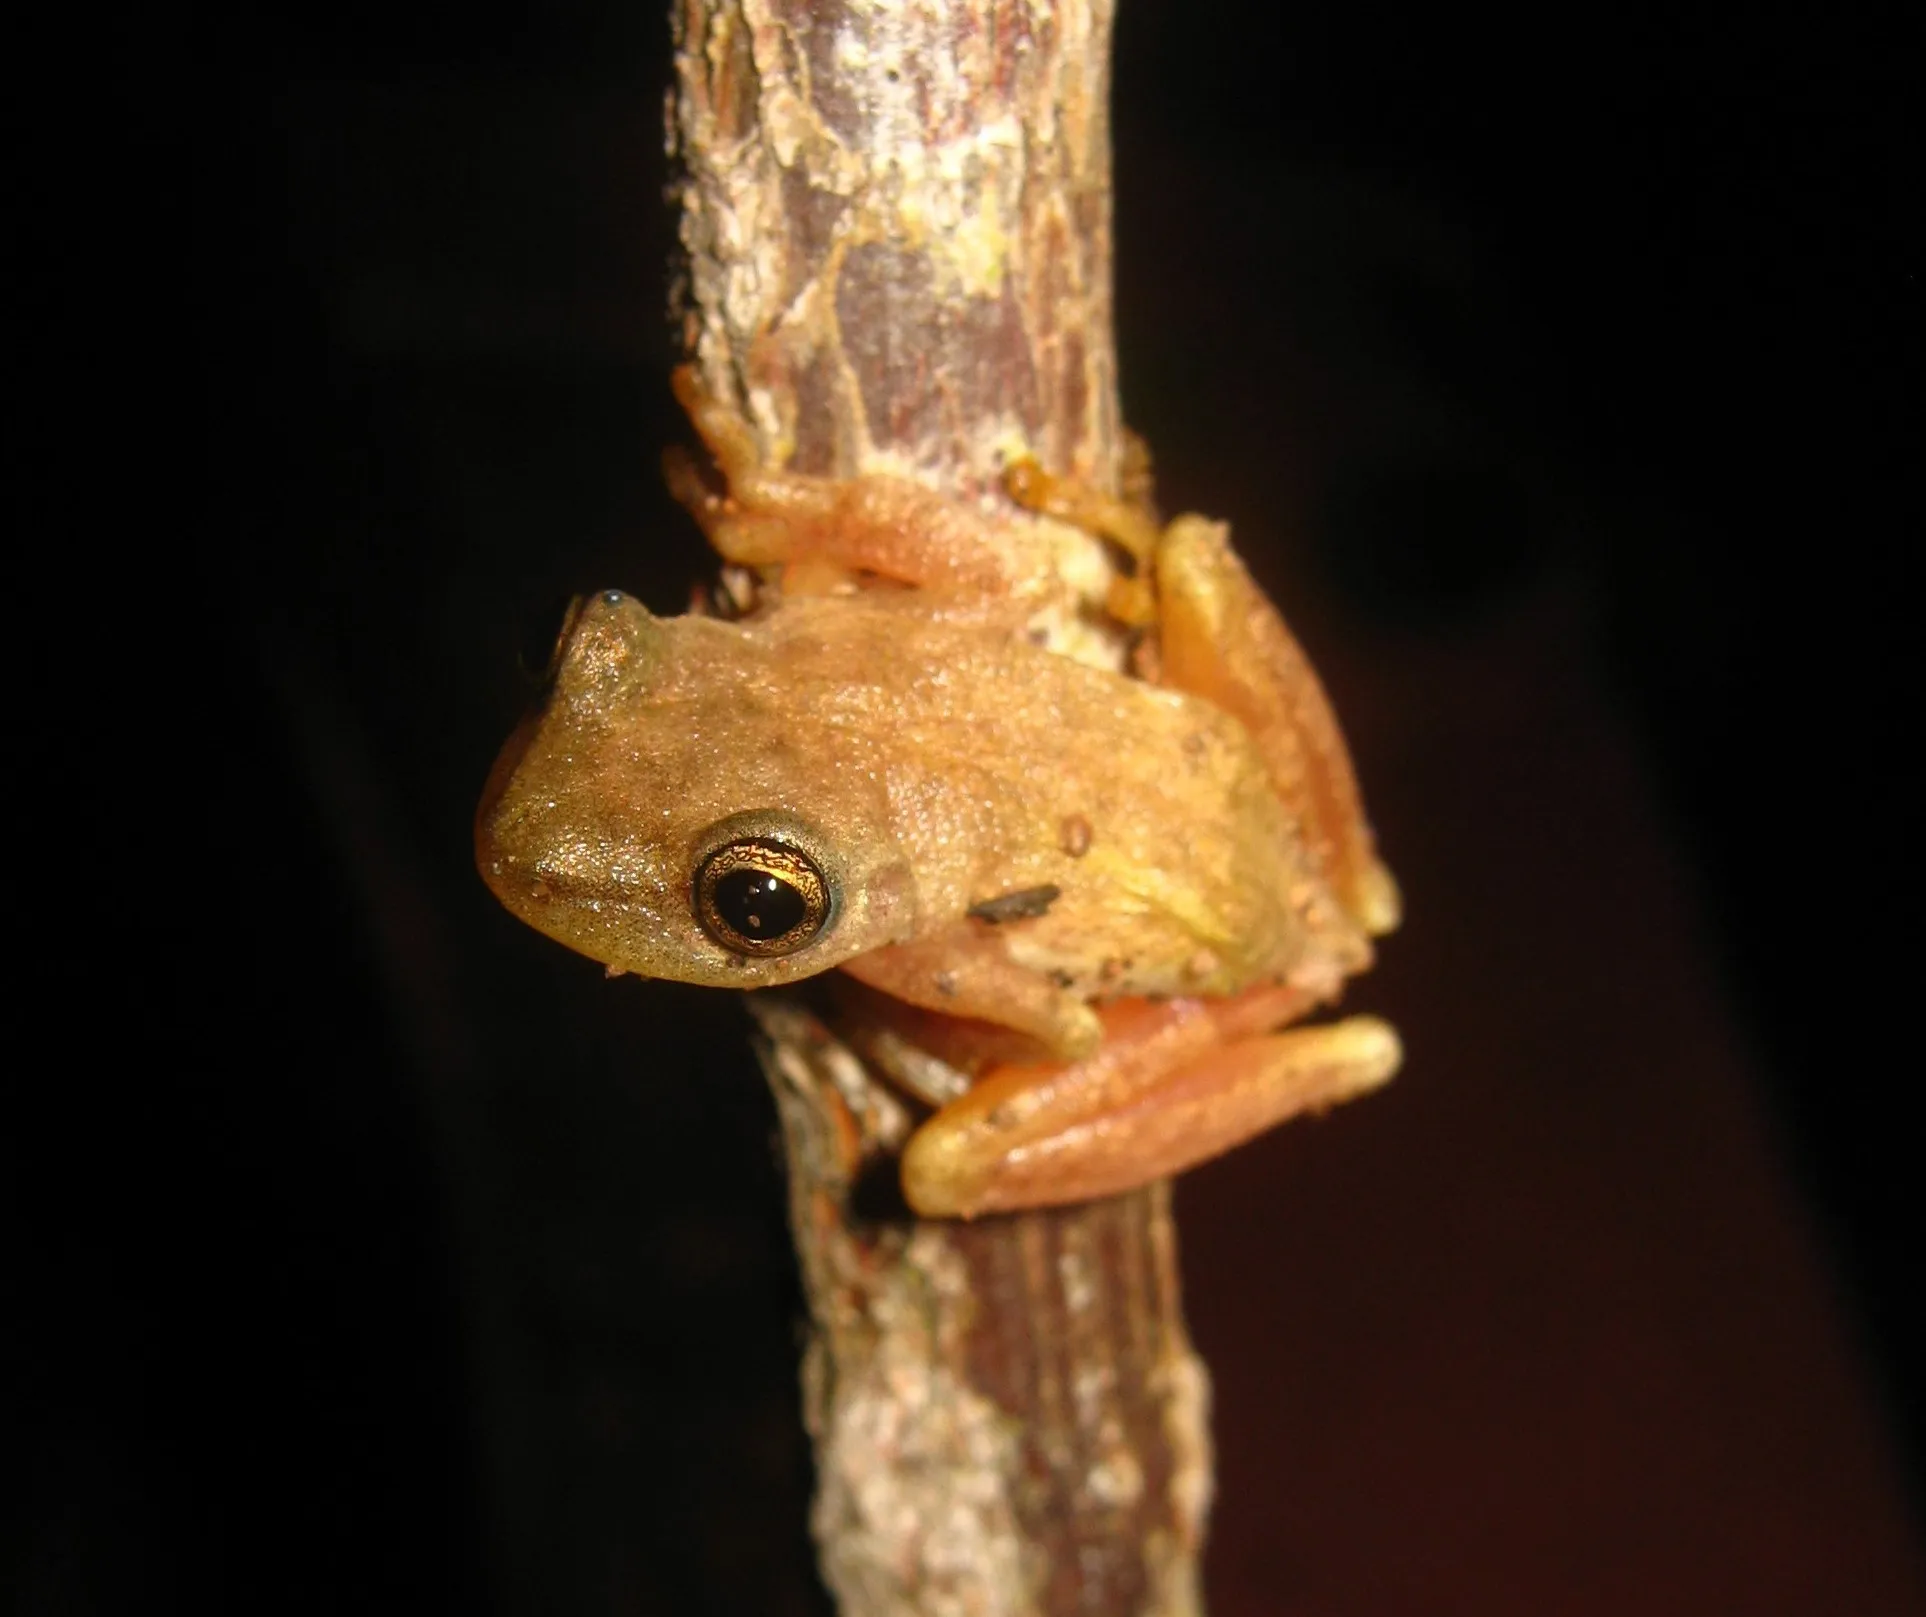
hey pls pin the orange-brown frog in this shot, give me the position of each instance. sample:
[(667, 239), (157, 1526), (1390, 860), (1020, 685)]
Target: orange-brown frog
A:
[(1144, 880)]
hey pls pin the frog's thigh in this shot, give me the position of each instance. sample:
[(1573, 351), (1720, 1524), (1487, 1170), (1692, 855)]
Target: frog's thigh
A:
[(964, 970), (1030, 1137), (1223, 640)]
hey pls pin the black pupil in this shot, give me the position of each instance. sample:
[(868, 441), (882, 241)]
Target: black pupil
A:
[(759, 905)]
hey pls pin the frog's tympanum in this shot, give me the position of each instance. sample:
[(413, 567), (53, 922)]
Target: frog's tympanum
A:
[(1121, 889)]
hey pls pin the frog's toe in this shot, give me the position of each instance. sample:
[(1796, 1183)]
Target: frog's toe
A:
[(1376, 901)]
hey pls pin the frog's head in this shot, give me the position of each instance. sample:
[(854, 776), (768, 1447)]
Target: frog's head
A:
[(679, 808)]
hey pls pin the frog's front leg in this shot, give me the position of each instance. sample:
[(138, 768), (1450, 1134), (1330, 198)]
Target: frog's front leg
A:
[(963, 970), (828, 526), (1173, 1084), (1129, 523)]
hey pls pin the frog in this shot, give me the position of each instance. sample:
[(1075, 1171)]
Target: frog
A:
[(1107, 901)]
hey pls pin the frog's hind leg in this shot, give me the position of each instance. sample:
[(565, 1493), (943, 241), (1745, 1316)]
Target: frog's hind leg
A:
[(1221, 639), (1162, 1094), (1224, 641)]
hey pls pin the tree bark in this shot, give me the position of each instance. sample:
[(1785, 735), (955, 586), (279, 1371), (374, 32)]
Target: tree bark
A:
[(897, 226)]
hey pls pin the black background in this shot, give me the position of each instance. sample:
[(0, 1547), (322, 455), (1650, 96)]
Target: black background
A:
[(369, 361)]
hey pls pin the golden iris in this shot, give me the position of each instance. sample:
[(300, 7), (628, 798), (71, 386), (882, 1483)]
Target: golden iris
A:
[(761, 897)]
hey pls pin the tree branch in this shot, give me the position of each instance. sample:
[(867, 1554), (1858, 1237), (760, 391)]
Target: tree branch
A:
[(897, 222)]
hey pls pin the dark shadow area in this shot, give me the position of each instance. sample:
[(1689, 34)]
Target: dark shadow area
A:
[(1555, 375)]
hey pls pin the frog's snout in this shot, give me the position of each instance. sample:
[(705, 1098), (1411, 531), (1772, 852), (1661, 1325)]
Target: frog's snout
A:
[(490, 821)]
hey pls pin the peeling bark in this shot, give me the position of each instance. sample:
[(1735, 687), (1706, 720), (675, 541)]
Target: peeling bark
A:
[(897, 226), (897, 220)]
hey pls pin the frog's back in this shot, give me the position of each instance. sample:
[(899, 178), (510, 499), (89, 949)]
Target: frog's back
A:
[(1010, 769)]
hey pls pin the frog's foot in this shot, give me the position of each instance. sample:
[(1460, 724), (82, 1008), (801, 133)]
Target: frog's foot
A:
[(1130, 524), (886, 526), (962, 972), (1163, 1093), (1221, 639)]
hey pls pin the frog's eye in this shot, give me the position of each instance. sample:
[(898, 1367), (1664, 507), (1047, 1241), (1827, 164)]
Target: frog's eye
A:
[(757, 896)]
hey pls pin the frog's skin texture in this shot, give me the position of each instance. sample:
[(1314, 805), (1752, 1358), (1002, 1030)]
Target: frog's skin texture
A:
[(1142, 880)]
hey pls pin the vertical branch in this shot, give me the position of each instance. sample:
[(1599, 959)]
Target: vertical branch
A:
[(897, 224), (897, 219)]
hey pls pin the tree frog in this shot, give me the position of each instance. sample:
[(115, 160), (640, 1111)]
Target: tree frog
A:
[(1120, 887)]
